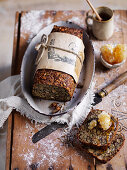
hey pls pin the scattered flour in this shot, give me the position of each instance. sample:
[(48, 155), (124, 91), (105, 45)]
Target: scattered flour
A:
[(118, 21), (48, 151), (31, 23), (78, 21), (29, 156), (118, 95), (67, 13)]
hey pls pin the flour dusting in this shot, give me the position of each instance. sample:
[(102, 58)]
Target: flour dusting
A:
[(118, 22), (77, 20), (111, 101), (67, 13), (48, 152), (31, 23), (29, 156)]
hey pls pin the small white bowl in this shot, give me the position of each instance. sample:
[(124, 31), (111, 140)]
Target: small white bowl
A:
[(106, 64)]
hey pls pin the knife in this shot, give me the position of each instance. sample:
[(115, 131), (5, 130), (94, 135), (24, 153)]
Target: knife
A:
[(47, 130), (97, 99)]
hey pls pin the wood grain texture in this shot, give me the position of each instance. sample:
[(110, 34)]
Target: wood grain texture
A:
[(10, 118), (25, 154)]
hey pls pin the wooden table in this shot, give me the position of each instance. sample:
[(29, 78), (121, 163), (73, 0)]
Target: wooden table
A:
[(51, 153)]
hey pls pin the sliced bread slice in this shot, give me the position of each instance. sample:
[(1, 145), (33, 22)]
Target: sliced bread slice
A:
[(97, 136), (111, 151)]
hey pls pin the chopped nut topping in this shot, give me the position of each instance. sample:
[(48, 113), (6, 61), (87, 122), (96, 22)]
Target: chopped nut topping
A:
[(92, 124)]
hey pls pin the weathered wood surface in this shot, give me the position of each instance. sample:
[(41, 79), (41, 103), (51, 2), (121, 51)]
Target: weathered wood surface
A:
[(50, 153)]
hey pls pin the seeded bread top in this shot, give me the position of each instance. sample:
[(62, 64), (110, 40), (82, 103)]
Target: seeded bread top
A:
[(72, 31)]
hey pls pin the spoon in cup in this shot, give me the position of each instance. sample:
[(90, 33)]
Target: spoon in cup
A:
[(94, 10)]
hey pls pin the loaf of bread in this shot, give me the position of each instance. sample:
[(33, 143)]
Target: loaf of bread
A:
[(111, 151), (52, 84), (92, 134)]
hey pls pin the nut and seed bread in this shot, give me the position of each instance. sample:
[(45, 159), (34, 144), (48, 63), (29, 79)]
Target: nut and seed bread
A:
[(96, 137), (111, 151), (55, 85)]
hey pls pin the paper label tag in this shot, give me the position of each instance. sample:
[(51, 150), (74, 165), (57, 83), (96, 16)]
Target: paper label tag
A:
[(66, 54)]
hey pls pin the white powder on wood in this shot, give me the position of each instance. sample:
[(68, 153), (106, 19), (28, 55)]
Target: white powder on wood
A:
[(77, 20), (118, 22), (67, 13), (50, 148), (31, 23), (48, 151)]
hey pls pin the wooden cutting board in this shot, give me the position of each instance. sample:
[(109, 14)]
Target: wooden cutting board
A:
[(50, 152)]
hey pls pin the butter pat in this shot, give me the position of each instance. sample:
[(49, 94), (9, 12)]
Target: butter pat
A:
[(92, 124), (105, 120)]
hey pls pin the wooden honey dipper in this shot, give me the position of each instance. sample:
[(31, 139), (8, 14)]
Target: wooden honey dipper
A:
[(94, 10)]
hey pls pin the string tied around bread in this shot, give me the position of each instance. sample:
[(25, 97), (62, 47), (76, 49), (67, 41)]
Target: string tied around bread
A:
[(40, 47)]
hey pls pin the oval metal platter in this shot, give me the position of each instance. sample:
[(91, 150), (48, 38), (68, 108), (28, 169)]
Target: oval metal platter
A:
[(27, 73)]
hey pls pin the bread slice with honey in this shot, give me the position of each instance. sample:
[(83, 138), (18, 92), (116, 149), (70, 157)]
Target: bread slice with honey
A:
[(106, 155), (98, 131)]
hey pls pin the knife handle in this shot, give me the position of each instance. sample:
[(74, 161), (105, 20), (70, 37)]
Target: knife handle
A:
[(114, 84)]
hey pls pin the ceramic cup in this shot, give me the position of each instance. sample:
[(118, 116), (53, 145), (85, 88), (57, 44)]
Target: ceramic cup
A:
[(102, 30)]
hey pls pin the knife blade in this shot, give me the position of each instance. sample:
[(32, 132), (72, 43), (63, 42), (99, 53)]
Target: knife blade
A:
[(47, 130), (97, 99)]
